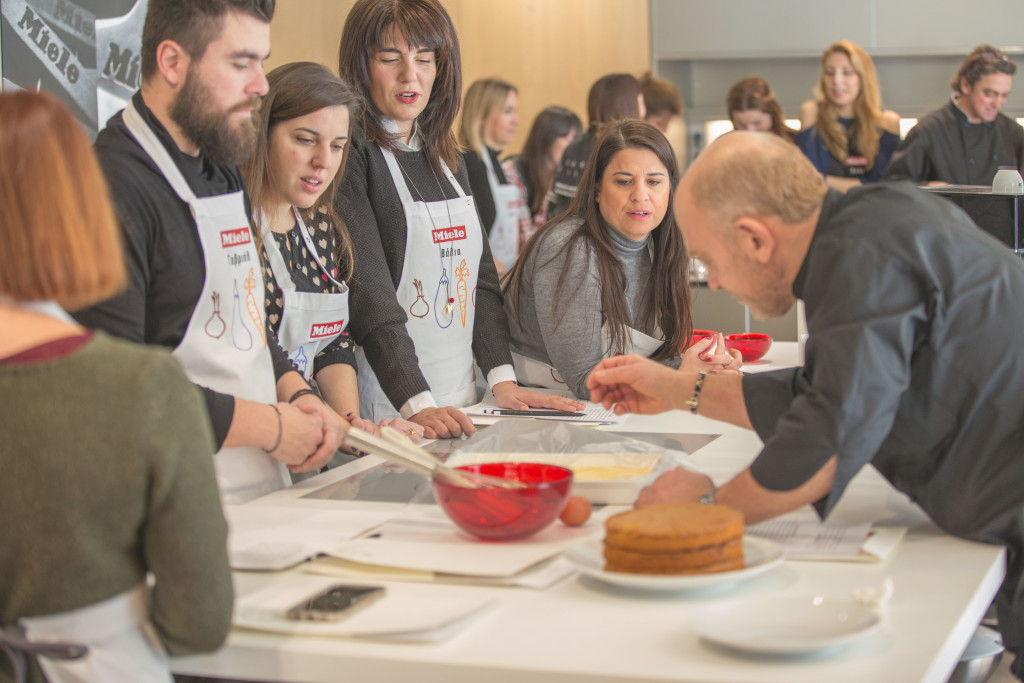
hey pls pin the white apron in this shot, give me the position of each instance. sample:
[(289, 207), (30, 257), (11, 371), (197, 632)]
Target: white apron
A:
[(122, 647), (509, 209), (225, 346), (311, 320), (536, 373), (438, 293)]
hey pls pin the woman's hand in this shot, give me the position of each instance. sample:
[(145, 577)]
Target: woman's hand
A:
[(443, 423), (411, 430), (710, 355), (514, 397)]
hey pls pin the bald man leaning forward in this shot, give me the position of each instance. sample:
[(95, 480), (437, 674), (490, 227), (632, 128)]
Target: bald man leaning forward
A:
[(912, 365)]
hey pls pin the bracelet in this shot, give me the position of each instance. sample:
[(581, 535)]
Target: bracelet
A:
[(304, 392), (694, 400), (280, 429)]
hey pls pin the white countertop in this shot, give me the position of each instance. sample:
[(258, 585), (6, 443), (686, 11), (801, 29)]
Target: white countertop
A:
[(582, 630)]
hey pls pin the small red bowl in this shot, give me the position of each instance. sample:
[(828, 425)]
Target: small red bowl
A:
[(752, 346), (500, 513), (700, 335)]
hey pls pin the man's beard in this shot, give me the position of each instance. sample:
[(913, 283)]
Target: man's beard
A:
[(211, 131)]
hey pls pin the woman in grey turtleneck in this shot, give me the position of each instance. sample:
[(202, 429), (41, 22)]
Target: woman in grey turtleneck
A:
[(608, 276)]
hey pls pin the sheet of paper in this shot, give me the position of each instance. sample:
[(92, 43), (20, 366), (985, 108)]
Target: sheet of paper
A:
[(487, 412), (809, 539), (406, 612), (425, 539), (264, 537)]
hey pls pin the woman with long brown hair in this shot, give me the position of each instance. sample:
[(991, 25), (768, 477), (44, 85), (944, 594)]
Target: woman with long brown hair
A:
[(113, 537), (752, 106), (533, 169), (611, 98), (293, 176), (610, 275), (846, 134), (426, 289)]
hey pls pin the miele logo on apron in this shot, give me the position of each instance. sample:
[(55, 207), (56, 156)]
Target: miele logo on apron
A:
[(319, 330), (234, 238), (449, 234)]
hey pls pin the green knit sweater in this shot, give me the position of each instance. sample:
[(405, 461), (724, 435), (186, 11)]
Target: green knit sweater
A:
[(106, 474)]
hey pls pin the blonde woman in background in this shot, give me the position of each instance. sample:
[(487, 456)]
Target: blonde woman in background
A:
[(490, 117), (845, 133)]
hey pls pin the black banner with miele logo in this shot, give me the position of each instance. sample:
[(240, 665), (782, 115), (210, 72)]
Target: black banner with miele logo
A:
[(86, 52)]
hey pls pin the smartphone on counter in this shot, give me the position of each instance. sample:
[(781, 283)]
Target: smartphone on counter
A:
[(335, 603)]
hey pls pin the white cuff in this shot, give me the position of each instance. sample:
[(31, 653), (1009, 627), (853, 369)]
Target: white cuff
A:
[(502, 373), (422, 400)]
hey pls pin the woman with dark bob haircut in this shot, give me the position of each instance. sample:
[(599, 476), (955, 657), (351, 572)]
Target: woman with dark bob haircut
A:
[(107, 449), (610, 275), (426, 288)]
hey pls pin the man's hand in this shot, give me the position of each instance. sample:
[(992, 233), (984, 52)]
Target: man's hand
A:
[(514, 397), (443, 423), (332, 432), (634, 384), (675, 486)]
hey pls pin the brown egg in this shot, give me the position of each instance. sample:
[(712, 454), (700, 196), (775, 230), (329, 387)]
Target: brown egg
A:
[(577, 511)]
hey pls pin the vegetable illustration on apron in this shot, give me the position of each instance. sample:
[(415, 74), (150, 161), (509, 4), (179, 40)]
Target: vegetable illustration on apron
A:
[(215, 326), (444, 284), (462, 272), (253, 307), (425, 307), (238, 328), (301, 362)]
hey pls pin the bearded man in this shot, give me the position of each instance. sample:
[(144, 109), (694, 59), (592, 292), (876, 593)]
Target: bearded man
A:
[(195, 283)]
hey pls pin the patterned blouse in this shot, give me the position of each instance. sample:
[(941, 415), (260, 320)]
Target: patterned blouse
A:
[(307, 277)]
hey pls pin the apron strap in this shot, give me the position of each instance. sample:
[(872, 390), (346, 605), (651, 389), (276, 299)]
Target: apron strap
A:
[(403, 187), (150, 144), (14, 643)]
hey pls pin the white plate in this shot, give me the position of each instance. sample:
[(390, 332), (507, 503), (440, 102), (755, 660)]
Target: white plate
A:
[(759, 554), (785, 625)]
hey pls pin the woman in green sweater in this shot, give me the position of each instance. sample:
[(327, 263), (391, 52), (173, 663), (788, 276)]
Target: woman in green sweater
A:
[(113, 529)]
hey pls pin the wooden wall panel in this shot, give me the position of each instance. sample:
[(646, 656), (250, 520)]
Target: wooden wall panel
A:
[(552, 50)]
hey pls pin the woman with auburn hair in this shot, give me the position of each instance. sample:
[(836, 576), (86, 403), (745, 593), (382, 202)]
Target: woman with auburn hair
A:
[(490, 117), (614, 97), (846, 134), (533, 170), (610, 275), (105, 442), (426, 289), (293, 177), (752, 106)]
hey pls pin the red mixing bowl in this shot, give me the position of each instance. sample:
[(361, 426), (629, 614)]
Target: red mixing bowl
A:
[(751, 345), (506, 513)]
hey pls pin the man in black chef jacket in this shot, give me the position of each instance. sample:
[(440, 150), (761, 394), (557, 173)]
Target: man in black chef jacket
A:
[(195, 283), (968, 139), (913, 359)]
